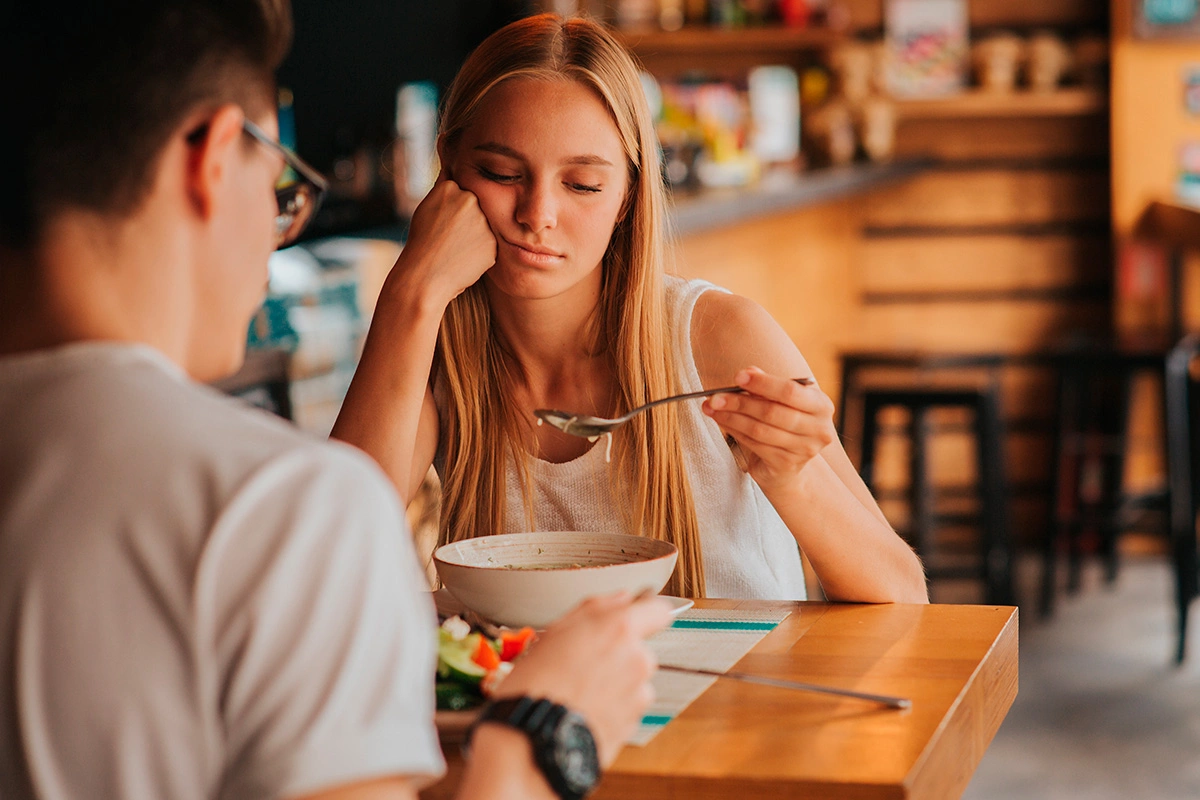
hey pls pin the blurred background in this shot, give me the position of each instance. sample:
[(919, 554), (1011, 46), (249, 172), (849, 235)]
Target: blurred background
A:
[(978, 219)]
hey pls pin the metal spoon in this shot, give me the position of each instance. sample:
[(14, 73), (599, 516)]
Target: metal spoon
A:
[(591, 427)]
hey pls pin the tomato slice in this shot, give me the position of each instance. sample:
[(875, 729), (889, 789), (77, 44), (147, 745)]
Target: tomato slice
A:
[(513, 643), (485, 655)]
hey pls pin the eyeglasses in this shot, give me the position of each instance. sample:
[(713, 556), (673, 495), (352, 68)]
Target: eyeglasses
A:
[(298, 193)]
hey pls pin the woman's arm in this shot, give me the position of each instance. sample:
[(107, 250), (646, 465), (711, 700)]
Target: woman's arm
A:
[(787, 434), (389, 411)]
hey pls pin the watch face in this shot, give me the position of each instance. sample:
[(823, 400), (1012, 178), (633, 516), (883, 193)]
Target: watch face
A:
[(575, 754)]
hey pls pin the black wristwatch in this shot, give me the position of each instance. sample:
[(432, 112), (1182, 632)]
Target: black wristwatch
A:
[(563, 747)]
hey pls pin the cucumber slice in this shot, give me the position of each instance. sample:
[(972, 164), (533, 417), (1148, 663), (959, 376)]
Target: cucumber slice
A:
[(458, 664)]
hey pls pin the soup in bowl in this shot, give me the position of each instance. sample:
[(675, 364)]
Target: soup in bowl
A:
[(519, 579)]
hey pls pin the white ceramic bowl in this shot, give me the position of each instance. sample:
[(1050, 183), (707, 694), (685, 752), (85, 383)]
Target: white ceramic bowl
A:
[(519, 579)]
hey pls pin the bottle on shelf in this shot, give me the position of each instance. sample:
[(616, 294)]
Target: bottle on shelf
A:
[(414, 152), (671, 14)]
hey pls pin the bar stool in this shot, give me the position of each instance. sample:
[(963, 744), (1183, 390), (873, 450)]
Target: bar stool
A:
[(995, 556), (918, 395), (1095, 384)]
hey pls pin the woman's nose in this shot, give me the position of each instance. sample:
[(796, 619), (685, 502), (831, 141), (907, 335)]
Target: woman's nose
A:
[(536, 208)]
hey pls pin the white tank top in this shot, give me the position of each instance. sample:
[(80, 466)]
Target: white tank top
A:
[(747, 550)]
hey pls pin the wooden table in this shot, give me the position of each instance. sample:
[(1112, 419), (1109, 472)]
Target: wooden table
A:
[(958, 664)]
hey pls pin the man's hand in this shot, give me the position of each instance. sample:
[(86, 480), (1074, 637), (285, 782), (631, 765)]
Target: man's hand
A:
[(595, 662)]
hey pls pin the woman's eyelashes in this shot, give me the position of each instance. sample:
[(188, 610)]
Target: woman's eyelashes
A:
[(497, 177), (507, 179)]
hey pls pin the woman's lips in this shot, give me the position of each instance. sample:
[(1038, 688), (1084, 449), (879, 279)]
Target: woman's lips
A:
[(537, 256)]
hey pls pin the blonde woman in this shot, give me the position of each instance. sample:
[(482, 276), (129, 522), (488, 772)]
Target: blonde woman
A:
[(534, 278)]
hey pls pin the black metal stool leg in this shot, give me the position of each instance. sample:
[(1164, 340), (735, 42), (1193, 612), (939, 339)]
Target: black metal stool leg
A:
[(996, 549), (920, 492), (1062, 483), (1185, 591), (1074, 531), (1083, 475), (1109, 524)]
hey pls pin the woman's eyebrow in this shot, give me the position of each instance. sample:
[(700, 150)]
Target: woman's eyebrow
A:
[(499, 149), (505, 150), (588, 161)]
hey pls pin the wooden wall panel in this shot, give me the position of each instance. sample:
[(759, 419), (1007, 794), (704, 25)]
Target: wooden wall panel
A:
[(800, 266), (997, 326), (948, 198), (995, 263), (1019, 138)]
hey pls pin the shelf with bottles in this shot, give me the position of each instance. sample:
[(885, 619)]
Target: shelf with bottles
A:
[(724, 38), (707, 40)]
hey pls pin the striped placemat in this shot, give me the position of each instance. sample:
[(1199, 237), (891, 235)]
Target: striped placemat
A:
[(713, 639)]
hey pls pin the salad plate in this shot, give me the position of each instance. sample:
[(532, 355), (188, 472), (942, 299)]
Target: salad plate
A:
[(470, 655)]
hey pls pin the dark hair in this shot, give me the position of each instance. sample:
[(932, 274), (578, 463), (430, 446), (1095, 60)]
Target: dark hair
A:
[(93, 90)]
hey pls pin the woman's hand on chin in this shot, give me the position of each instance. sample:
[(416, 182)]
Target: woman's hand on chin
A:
[(780, 425), (450, 245)]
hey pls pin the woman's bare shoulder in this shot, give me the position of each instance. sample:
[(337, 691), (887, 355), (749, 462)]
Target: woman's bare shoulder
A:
[(731, 332)]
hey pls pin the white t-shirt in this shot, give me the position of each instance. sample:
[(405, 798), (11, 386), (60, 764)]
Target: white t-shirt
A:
[(196, 601)]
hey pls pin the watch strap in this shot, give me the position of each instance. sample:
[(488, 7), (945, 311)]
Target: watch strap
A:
[(537, 719), (523, 713)]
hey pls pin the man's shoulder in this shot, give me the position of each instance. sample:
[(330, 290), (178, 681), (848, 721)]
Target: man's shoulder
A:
[(237, 440), (133, 409)]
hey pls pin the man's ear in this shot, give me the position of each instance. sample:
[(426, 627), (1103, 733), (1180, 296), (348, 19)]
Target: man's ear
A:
[(211, 159)]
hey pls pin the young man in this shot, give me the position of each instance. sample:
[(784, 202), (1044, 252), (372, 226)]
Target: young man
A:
[(195, 600)]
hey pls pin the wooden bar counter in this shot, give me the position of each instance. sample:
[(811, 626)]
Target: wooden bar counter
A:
[(958, 664)]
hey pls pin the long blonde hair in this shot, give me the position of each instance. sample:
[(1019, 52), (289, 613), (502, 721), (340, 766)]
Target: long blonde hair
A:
[(480, 427)]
